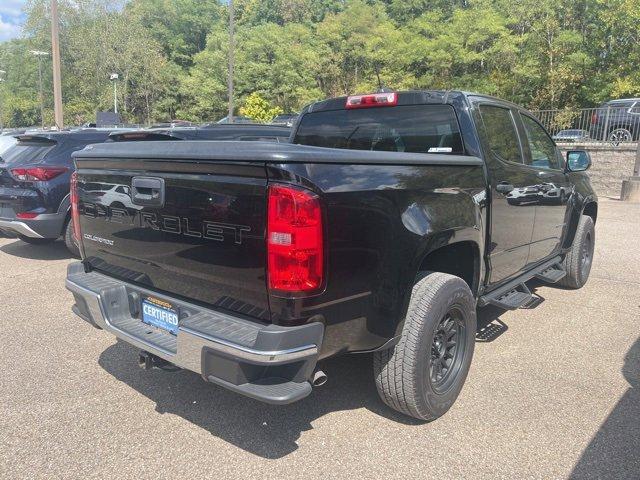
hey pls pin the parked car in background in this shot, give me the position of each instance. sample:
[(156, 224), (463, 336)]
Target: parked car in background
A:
[(236, 119), (617, 121), (34, 184), (571, 135), (242, 132), (379, 228), (173, 124), (285, 119)]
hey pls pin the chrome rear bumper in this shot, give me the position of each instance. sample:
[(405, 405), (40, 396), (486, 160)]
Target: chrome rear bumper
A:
[(267, 362)]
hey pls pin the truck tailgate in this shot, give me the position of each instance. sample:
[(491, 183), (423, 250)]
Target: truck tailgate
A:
[(188, 229)]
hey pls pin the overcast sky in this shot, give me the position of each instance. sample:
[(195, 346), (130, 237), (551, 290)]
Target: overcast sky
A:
[(11, 19)]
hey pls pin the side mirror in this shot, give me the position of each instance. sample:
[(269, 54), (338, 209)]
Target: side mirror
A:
[(578, 160)]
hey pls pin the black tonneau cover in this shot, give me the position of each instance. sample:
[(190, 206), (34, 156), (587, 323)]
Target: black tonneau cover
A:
[(269, 152)]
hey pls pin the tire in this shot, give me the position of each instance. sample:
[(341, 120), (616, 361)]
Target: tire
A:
[(36, 241), (578, 261), (407, 375), (620, 135), (69, 239)]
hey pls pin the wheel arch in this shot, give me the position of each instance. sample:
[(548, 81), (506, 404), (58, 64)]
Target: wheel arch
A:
[(456, 252), (461, 258), (589, 208)]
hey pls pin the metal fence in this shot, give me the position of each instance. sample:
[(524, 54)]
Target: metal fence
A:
[(607, 125)]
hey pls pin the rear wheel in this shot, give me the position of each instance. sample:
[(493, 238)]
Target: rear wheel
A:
[(36, 241), (579, 259), (424, 373), (70, 240)]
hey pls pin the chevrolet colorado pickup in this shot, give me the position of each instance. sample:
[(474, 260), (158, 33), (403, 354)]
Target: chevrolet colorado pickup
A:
[(382, 227)]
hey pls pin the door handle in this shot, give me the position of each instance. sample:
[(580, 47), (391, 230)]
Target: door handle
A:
[(147, 191), (504, 187)]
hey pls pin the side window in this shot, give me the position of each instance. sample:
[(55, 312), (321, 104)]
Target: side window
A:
[(543, 150), (501, 133)]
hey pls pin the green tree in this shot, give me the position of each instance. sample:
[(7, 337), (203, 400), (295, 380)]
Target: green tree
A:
[(281, 63), (171, 55), (204, 89), (259, 109), (179, 26)]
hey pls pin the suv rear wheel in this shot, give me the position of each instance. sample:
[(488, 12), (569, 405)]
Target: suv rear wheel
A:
[(424, 373), (69, 239), (620, 135)]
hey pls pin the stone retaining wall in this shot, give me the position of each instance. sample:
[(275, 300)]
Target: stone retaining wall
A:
[(610, 165)]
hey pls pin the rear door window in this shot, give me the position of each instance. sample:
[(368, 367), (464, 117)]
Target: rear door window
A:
[(543, 151), (501, 133), (410, 128)]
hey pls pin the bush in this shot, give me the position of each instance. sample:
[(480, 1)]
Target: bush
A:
[(259, 109)]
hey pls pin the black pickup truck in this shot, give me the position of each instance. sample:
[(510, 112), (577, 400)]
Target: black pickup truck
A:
[(381, 227)]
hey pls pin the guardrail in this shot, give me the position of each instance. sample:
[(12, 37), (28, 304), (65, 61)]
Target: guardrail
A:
[(611, 125)]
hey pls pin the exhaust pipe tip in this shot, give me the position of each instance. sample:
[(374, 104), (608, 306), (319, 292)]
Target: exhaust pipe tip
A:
[(319, 378)]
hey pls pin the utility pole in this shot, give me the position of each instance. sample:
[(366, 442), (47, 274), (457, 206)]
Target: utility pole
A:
[(231, 60), (114, 78), (39, 54), (57, 78), (2, 72)]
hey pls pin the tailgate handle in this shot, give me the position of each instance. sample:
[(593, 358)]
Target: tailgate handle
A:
[(147, 191)]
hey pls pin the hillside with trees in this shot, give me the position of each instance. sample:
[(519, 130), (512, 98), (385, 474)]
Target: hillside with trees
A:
[(171, 55)]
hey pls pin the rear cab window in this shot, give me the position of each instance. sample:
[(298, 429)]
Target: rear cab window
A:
[(404, 128)]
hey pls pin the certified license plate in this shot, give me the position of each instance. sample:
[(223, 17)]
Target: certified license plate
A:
[(160, 314)]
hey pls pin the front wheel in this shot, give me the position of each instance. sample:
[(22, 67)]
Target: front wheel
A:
[(579, 258), (36, 241), (424, 373)]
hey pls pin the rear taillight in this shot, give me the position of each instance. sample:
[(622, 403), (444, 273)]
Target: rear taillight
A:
[(27, 215), (75, 212), (37, 174), (295, 247), (372, 100)]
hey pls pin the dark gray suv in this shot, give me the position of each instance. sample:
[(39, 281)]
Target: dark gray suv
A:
[(34, 184), (617, 121)]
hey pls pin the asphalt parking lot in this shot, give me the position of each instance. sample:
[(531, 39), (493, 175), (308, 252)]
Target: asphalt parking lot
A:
[(554, 392)]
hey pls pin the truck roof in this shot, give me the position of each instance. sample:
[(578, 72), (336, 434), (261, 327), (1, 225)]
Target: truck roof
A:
[(410, 97)]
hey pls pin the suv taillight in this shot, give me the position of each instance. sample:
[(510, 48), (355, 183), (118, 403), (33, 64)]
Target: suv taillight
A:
[(295, 245), (75, 212), (37, 174)]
